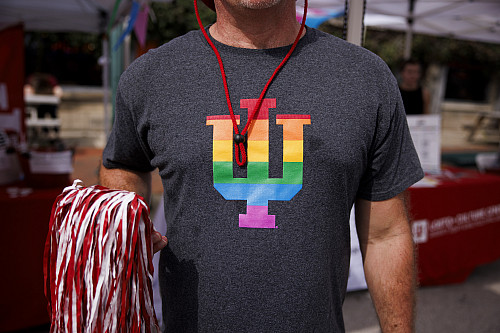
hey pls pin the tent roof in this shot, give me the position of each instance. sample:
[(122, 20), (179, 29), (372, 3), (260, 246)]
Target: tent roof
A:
[(61, 15), (477, 20)]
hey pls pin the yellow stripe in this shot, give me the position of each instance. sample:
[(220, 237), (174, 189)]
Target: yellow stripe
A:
[(293, 151), (258, 151), (223, 151)]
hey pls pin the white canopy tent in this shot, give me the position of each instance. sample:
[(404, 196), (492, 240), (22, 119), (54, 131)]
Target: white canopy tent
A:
[(60, 15), (477, 20)]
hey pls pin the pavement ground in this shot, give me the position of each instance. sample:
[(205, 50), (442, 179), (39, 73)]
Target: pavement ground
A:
[(469, 307)]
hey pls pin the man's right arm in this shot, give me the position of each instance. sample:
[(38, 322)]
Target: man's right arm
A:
[(133, 181), (122, 179)]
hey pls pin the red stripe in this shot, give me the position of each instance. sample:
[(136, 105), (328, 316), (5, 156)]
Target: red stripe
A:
[(222, 117), (293, 116)]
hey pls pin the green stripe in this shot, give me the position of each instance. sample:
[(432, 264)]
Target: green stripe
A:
[(292, 172), (258, 173), (223, 172)]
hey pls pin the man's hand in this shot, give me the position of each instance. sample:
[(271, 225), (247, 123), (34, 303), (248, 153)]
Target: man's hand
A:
[(387, 246), (159, 241)]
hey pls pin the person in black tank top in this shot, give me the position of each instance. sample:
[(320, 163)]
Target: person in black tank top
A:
[(415, 97)]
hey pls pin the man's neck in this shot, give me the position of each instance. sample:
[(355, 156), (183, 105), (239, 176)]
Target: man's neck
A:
[(256, 28)]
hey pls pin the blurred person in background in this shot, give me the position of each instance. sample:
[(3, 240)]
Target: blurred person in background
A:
[(416, 98)]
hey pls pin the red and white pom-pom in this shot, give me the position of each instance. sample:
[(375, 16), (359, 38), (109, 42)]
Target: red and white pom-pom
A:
[(98, 262)]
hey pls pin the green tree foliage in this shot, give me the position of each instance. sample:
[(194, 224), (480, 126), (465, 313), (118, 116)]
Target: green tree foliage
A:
[(71, 57), (448, 50), (389, 45), (176, 18)]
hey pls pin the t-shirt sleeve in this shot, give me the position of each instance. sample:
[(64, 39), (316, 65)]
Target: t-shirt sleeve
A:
[(125, 148), (393, 163)]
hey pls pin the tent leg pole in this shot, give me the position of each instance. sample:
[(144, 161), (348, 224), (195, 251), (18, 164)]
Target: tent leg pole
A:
[(408, 42), (409, 29), (355, 21)]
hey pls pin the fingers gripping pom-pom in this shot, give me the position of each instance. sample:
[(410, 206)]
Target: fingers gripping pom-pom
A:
[(98, 262)]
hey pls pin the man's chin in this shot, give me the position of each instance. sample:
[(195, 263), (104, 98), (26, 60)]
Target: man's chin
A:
[(258, 4)]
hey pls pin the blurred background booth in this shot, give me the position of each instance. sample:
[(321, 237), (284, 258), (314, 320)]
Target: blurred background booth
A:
[(455, 231)]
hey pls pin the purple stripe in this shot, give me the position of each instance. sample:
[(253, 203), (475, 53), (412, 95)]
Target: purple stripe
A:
[(257, 217)]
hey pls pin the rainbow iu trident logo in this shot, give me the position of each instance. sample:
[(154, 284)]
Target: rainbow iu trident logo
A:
[(257, 189)]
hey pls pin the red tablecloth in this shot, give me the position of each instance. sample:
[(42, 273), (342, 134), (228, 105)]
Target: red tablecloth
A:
[(25, 214), (456, 224)]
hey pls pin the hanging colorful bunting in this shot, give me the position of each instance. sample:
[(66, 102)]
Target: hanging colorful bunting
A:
[(316, 16), (113, 15), (134, 11), (141, 25)]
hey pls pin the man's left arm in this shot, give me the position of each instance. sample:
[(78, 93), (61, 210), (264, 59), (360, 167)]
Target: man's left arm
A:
[(388, 255)]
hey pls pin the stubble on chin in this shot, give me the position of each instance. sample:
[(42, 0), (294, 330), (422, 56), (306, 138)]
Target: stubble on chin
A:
[(258, 4)]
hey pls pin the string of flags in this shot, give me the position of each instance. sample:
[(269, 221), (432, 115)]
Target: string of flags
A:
[(140, 11), (316, 16), (137, 22)]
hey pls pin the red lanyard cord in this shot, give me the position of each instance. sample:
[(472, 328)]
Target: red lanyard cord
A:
[(239, 139)]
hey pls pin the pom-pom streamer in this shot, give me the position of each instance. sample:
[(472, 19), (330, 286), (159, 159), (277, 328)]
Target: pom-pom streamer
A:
[(98, 262)]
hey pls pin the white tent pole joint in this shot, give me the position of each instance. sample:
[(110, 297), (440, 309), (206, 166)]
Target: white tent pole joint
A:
[(409, 30), (355, 21)]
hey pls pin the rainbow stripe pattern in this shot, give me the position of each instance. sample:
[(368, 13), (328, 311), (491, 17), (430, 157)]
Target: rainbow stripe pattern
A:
[(257, 188)]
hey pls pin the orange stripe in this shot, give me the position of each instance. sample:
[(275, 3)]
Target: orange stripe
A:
[(223, 128), (293, 127)]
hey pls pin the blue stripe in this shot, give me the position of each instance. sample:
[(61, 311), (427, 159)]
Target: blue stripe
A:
[(258, 194)]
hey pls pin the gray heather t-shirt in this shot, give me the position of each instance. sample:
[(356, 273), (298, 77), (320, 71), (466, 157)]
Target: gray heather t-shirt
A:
[(263, 248)]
